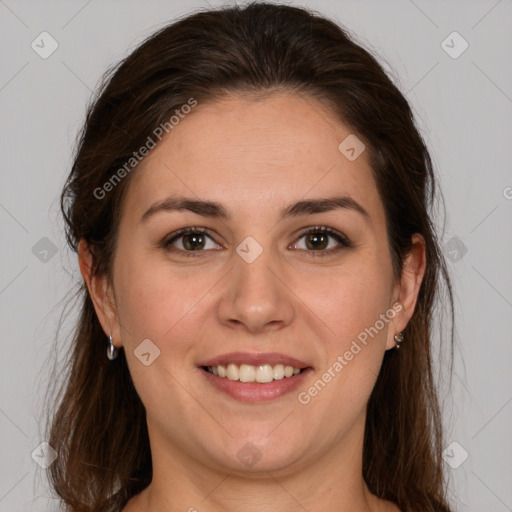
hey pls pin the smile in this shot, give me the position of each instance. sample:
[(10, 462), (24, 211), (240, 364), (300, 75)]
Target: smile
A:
[(262, 373)]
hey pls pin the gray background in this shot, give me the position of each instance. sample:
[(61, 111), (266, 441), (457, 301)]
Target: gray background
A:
[(463, 106)]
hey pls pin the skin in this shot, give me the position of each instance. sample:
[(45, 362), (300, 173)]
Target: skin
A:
[(254, 157)]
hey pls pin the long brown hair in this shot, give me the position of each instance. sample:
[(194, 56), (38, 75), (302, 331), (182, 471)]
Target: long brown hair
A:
[(99, 427)]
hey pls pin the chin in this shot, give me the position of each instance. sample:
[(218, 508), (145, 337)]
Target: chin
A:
[(246, 456)]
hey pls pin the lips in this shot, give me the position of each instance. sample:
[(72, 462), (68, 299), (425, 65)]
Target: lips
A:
[(255, 392), (261, 386)]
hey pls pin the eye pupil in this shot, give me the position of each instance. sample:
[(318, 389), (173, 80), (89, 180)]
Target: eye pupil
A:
[(193, 241), (317, 238)]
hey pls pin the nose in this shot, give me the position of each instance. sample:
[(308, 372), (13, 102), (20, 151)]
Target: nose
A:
[(256, 298)]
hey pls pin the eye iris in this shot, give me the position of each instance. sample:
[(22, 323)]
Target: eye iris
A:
[(193, 241), (317, 238)]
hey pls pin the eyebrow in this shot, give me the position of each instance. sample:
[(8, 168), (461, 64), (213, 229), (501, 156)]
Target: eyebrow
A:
[(216, 210)]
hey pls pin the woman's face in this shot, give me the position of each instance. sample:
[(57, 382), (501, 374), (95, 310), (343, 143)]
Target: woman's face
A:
[(253, 287)]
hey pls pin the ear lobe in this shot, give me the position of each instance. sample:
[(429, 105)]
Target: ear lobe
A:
[(99, 289)]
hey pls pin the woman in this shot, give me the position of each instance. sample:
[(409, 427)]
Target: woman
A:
[(250, 207)]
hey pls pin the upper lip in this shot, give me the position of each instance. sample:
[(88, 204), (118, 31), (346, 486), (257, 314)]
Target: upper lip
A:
[(255, 359)]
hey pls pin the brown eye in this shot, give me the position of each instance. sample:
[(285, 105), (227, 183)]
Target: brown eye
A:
[(193, 241), (318, 240), (190, 240)]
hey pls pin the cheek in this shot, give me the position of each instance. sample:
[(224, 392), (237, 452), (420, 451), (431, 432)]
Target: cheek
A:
[(148, 301), (351, 302), (155, 304), (158, 301), (357, 317)]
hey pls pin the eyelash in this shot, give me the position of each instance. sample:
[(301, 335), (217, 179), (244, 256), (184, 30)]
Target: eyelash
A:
[(344, 242)]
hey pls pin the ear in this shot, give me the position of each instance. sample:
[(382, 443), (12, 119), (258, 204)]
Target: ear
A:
[(407, 288), (101, 293)]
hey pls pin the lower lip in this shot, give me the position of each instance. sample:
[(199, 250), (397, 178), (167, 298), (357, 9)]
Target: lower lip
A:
[(254, 392)]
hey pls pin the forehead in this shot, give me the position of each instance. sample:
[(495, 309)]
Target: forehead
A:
[(245, 151)]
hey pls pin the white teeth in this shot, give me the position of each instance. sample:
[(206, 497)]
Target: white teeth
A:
[(288, 371), (278, 371), (265, 373), (232, 372), (249, 373)]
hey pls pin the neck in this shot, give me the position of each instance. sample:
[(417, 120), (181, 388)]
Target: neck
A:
[(327, 481)]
